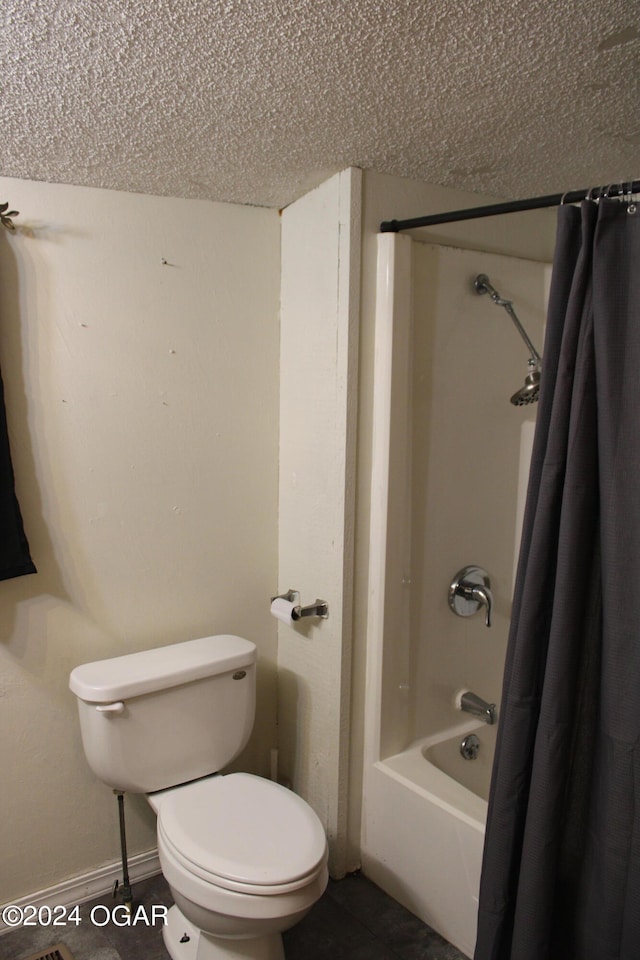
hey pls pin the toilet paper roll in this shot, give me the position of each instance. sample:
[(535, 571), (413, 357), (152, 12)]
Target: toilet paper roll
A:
[(283, 609)]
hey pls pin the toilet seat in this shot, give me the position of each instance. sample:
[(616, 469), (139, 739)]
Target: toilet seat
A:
[(243, 833)]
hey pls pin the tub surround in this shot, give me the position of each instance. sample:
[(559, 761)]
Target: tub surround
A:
[(445, 483)]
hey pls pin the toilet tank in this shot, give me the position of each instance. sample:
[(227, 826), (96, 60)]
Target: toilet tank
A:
[(160, 717)]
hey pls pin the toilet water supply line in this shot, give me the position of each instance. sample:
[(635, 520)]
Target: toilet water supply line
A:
[(123, 889)]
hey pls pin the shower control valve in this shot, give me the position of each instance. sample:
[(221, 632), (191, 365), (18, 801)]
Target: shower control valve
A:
[(469, 590)]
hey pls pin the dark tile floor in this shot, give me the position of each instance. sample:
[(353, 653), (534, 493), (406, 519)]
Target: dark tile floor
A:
[(354, 920)]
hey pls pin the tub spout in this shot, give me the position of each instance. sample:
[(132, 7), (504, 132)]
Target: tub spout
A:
[(477, 707)]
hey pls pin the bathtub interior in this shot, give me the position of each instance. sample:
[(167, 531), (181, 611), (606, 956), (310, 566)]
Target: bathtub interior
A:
[(446, 752), (451, 457), (433, 767)]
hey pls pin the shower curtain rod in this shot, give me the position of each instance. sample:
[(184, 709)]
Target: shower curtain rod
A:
[(511, 206)]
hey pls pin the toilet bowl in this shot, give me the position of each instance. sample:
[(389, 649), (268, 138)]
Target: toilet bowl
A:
[(244, 857)]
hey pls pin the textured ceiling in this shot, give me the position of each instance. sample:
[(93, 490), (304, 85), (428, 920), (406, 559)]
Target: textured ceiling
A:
[(256, 101)]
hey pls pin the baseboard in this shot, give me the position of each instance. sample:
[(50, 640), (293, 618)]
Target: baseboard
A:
[(89, 885)]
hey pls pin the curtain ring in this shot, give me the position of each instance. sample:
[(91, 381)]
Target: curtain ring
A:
[(590, 194), (563, 197), (631, 205)]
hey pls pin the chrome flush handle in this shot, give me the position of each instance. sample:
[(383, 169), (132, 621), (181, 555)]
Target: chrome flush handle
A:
[(469, 590)]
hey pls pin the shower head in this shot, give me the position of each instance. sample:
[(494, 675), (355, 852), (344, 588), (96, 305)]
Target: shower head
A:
[(528, 393)]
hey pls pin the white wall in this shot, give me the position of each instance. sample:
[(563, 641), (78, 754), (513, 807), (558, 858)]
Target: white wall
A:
[(139, 351), (318, 363)]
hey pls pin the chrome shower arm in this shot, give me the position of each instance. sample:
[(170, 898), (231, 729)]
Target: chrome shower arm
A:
[(507, 304), (482, 285)]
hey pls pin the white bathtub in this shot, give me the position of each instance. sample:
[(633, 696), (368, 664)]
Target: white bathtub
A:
[(425, 830)]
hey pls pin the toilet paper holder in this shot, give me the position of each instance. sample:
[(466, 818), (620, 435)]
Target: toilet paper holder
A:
[(320, 608)]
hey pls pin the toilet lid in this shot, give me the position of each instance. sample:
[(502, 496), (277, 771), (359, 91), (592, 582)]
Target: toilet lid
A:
[(243, 829)]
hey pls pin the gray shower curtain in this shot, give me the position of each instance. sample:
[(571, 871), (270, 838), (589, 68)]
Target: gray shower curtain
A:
[(561, 869)]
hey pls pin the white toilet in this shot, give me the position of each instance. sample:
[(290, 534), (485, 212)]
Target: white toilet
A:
[(244, 857)]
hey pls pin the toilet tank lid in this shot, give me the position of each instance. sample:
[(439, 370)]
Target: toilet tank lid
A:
[(135, 674)]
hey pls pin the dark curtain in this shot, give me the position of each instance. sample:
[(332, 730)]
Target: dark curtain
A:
[(561, 869), (15, 559)]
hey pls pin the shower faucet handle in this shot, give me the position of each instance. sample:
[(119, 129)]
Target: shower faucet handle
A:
[(469, 590), (484, 597)]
